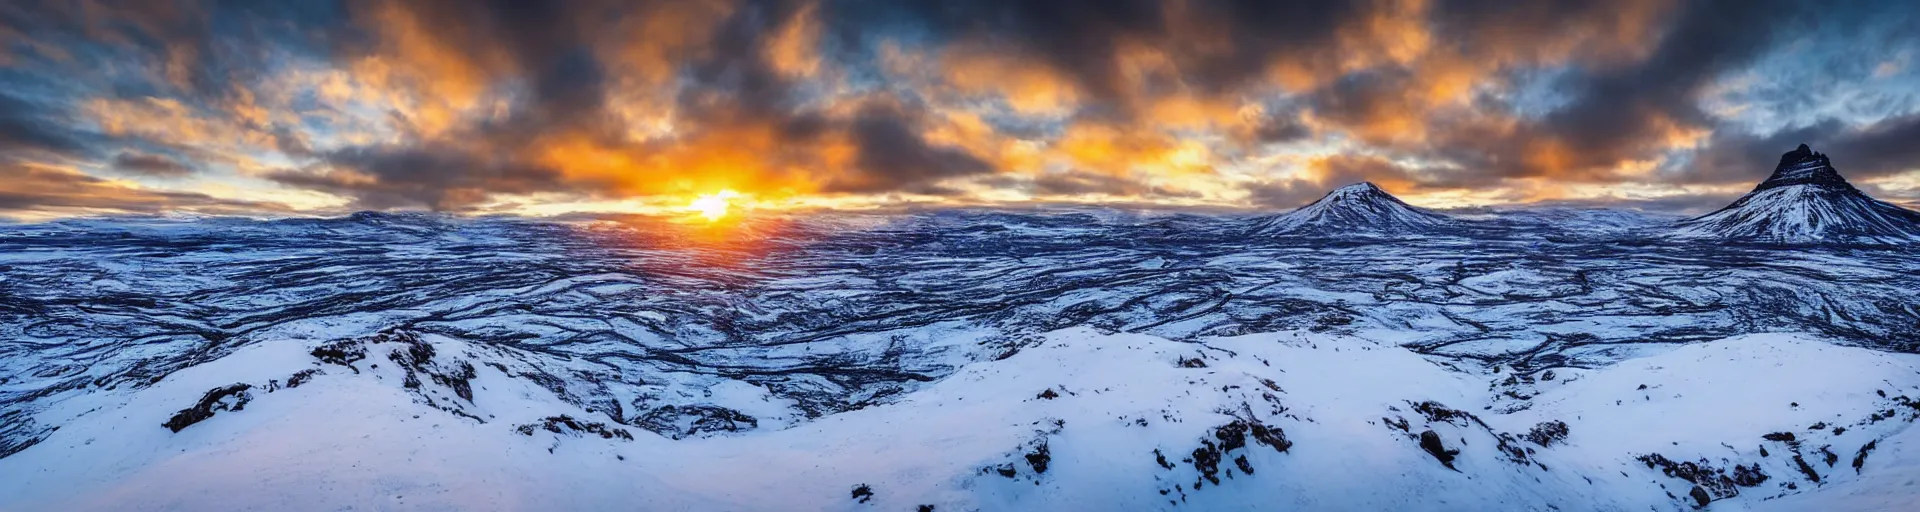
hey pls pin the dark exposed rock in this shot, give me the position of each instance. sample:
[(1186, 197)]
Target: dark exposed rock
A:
[(1241, 462), (1430, 441), (564, 424), (1161, 459), (1548, 432), (1514, 452), (1271, 436), (1713, 482), (1806, 469), (1700, 497), (1206, 460), (1039, 457), (417, 358), (1436, 412), (862, 493), (341, 352), (1748, 476), (1193, 363), (232, 397), (1048, 394), (1232, 436), (679, 422), (301, 377), (1860, 459)]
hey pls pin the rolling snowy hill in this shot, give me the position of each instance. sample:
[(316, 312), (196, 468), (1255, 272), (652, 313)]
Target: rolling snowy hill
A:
[(1805, 201)]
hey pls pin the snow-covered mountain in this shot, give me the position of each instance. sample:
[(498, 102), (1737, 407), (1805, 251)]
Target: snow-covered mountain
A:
[(1806, 201), (1360, 208), (955, 360)]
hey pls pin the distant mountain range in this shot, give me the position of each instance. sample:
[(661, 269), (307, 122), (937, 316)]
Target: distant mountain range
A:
[(1804, 201)]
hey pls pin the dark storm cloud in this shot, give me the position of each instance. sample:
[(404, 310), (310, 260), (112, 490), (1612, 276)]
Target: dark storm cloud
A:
[(734, 91), (1341, 170), (1615, 110), (893, 156), (408, 177), (32, 127), (1084, 182), (546, 46), (737, 71), (1880, 149), (1886, 147), (199, 48), (1335, 171), (150, 165), (1733, 157), (1085, 39), (1678, 204), (1617, 113), (1075, 183), (1284, 194)]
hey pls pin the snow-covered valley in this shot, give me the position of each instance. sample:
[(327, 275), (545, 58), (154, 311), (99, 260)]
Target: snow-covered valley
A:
[(1077, 360)]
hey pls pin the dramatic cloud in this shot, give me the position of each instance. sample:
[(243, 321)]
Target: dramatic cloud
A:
[(27, 127), (151, 165), (495, 105), (35, 189)]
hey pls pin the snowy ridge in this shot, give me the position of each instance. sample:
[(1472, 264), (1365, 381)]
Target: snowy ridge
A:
[(1079, 420), (1806, 201), (1356, 208)]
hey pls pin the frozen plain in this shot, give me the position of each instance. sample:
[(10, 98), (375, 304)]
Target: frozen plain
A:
[(960, 360)]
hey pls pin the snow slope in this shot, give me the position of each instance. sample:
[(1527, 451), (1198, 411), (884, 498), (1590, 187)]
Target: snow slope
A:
[(1079, 421)]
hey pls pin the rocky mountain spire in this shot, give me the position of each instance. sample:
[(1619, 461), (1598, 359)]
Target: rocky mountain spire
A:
[(1803, 166), (1806, 200)]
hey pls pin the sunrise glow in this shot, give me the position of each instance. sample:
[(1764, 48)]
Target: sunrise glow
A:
[(713, 207)]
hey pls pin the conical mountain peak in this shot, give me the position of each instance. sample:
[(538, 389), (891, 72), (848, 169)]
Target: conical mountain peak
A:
[(1360, 207), (1806, 200)]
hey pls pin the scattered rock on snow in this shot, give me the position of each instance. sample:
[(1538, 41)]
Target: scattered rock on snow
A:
[(1430, 441), (232, 397), (564, 424)]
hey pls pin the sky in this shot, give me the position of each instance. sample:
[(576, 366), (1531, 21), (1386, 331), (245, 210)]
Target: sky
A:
[(301, 107)]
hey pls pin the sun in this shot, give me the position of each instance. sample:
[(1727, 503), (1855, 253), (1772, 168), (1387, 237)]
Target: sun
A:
[(713, 206)]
